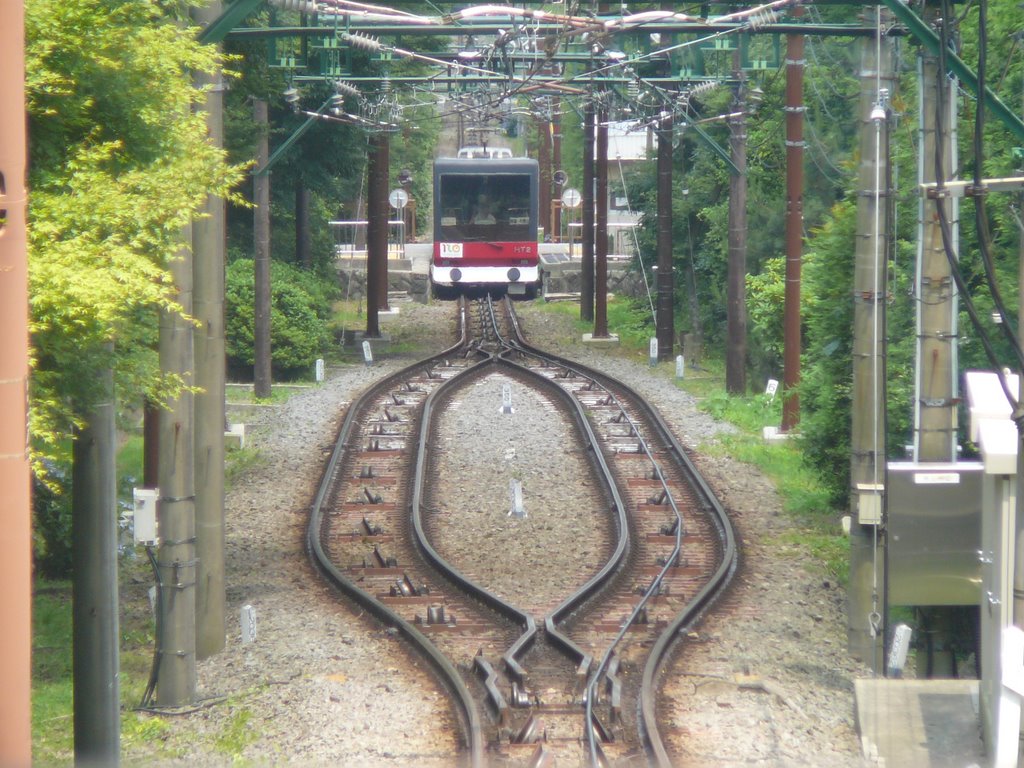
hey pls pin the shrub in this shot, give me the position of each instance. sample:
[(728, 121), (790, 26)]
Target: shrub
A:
[(300, 306)]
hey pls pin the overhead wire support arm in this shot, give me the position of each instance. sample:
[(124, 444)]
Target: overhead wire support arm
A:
[(927, 37)]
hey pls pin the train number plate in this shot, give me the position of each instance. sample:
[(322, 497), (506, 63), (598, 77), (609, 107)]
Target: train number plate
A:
[(451, 250)]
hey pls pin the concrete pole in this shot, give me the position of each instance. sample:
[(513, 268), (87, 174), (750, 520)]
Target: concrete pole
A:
[(176, 557), (665, 318), (936, 395), (601, 228), (736, 279), (96, 638), (587, 220), (15, 509), (937, 392), (208, 265), (262, 375), (794, 225), (867, 433)]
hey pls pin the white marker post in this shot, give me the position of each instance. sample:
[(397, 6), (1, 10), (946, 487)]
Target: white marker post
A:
[(319, 369), (653, 353), (771, 389), (248, 620), (367, 353), (506, 398), (515, 488), (680, 367)]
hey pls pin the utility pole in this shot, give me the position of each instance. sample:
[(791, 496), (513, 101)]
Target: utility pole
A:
[(15, 507), (601, 228), (556, 163), (794, 225), (376, 232), (936, 395), (867, 432), (261, 267), (587, 219), (544, 161), (208, 265), (665, 331), (95, 635), (736, 280), (176, 557)]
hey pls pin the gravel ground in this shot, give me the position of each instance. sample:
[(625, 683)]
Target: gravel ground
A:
[(772, 687)]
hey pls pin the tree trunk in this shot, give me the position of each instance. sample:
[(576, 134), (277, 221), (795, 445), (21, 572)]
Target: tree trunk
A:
[(261, 197), (303, 241)]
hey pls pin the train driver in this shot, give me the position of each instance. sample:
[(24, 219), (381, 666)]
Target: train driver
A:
[(484, 212)]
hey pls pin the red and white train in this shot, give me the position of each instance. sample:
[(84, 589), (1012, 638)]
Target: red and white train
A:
[(485, 224)]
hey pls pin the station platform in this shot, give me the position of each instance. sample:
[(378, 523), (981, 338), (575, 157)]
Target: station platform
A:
[(920, 723)]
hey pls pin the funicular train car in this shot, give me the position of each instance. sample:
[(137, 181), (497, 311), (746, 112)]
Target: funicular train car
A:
[(485, 223)]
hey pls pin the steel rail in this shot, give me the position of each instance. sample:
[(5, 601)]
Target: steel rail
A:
[(445, 670), (653, 742)]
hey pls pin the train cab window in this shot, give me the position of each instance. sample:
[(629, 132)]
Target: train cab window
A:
[(482, 207)]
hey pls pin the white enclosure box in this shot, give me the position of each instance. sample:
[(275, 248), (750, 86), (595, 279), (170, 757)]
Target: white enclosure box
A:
[(144, 515)]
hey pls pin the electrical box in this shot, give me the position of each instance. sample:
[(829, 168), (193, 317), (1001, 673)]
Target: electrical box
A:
[(869, 503), (934, 533), (144, 515)]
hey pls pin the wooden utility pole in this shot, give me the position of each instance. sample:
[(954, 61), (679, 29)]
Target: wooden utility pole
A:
[(587, 220), (867, 433), (95, 635), (665, 319), (556, 163), (544, 161), (736, 279), (15, 508), (601, 228), (261, 231), (208, 265), (794, 225), (376, 232), (176, 557)]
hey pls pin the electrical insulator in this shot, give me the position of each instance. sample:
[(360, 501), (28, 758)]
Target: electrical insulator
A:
[(365, 42), (302, 6)]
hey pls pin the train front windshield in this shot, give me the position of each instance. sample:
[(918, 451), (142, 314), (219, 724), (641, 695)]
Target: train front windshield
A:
[(478, 208)]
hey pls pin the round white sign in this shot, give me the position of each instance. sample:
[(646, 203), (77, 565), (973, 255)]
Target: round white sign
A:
[(398, 198), (571, 198)]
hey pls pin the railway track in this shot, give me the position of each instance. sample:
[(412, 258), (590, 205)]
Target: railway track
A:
[(572, 678)]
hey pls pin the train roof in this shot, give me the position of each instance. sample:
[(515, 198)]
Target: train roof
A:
[(485, 165)]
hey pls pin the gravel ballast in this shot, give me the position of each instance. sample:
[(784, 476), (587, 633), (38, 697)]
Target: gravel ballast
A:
[(769, 685)]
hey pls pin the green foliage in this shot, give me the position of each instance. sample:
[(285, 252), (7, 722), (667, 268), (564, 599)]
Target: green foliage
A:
[(300, 308), (237, 734), (119, 163)]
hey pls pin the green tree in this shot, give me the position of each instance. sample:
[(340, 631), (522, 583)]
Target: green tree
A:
[(119, 163)]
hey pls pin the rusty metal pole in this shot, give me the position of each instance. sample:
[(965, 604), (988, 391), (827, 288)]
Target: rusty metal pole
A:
[(587, 234), (665, 319), (601, 228), (383, 217), (794, 225), (261, 262), (373, 225), (15, 533), (544, 161)]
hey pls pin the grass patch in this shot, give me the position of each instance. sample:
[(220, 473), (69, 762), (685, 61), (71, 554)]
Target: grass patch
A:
[(236, 735), (804, 498), (279, 393), (238, 462)]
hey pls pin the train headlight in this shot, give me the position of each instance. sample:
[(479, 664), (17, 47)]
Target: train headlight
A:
[(513, 274), (456, 275)]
